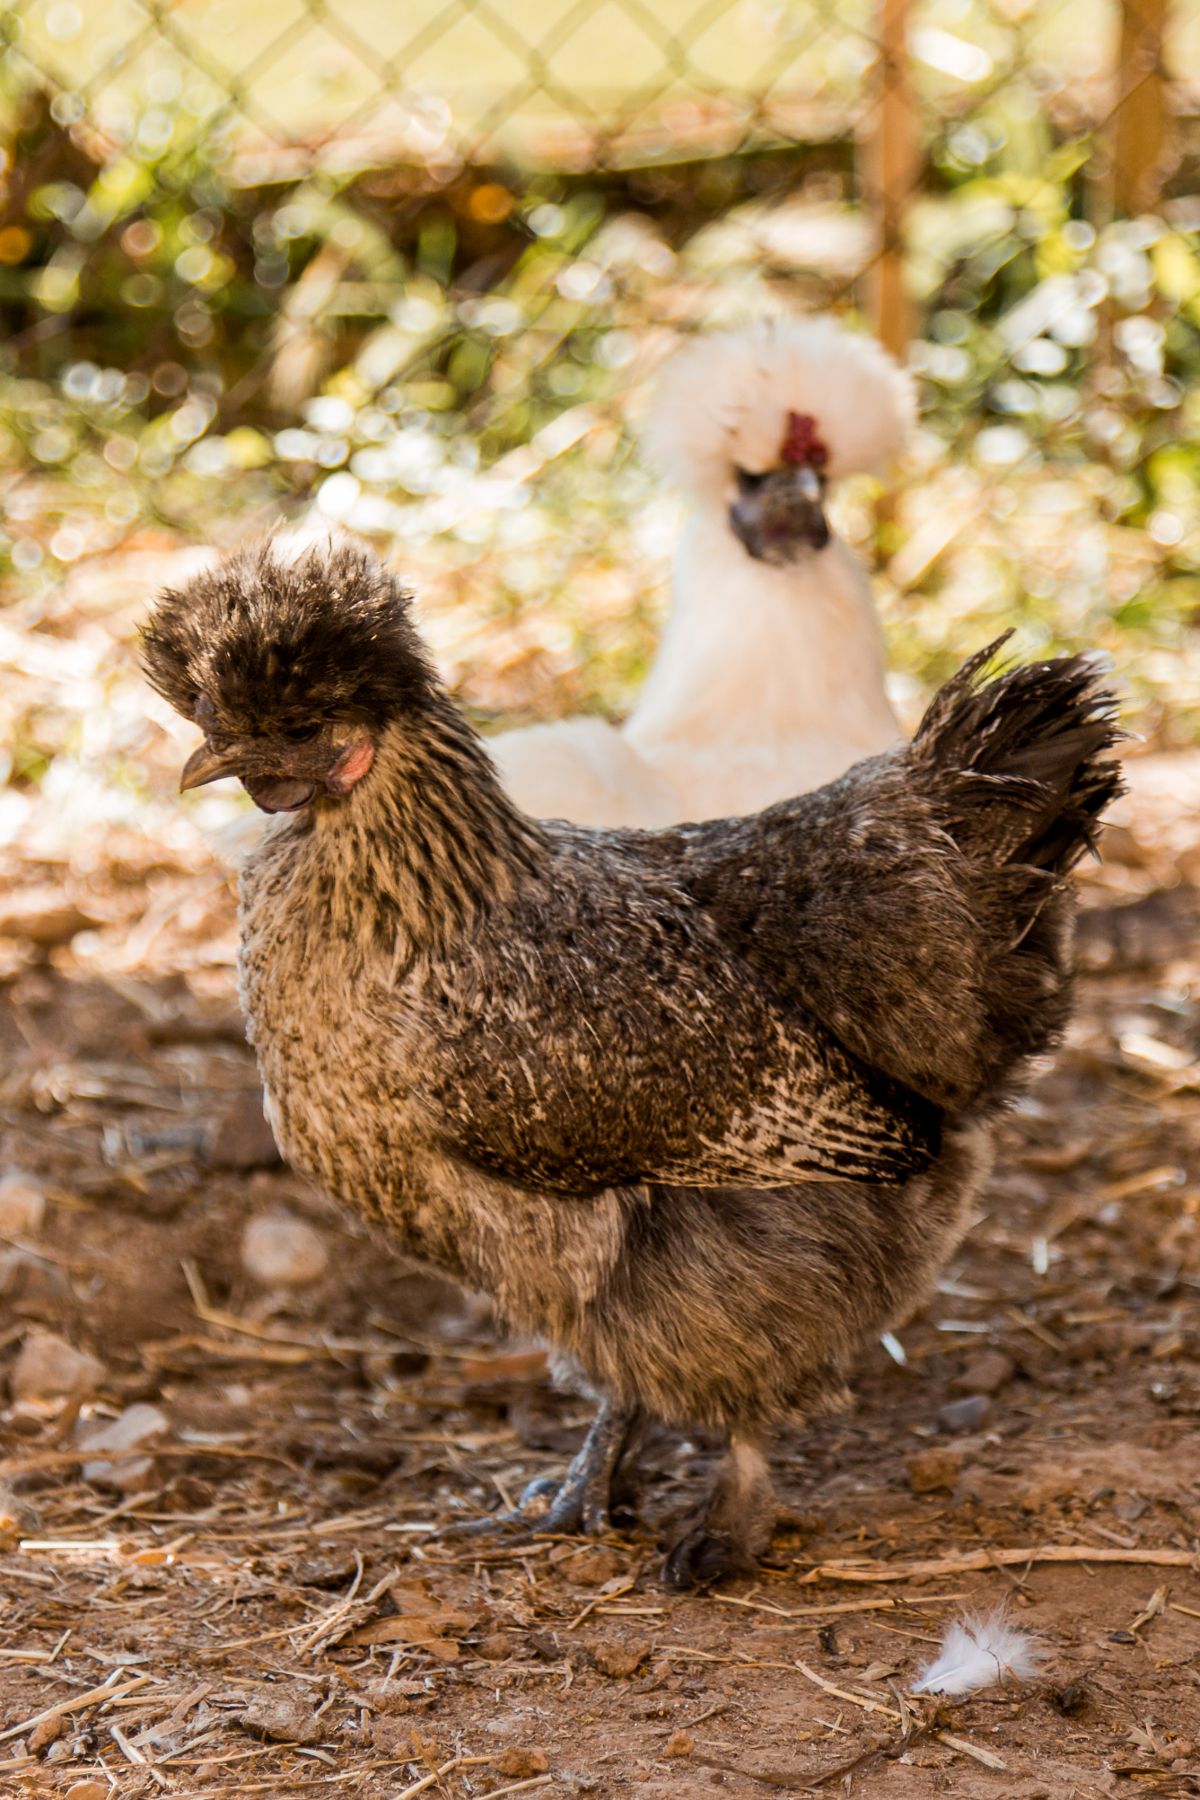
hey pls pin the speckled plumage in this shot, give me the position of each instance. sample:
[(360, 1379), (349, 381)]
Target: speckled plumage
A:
[(703, 1108)]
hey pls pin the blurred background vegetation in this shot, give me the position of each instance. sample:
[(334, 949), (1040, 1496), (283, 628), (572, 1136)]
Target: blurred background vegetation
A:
[(409, 268)]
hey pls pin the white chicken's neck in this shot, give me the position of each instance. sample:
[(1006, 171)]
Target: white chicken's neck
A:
[(753, 654)]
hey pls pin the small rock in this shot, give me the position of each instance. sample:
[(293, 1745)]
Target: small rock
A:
[(986, 1373), (141, 1424), (1051, 1486), (333, 1569), (679, 1744), (89, 1790), (930, 1470), (44, 1734), (22, 1205), (591, 1568), (395, 1695), (243, 1139), (48, 1368), (966, 1414), (281, 1251), (497, 1646), (620, 1661), (520, 1764), (281, 1720)]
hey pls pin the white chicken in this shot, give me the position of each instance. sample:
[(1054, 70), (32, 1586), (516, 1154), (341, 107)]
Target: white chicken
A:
[(769, 679)]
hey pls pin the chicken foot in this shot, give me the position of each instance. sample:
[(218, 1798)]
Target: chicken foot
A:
[(735, 1522), (579, 1504)]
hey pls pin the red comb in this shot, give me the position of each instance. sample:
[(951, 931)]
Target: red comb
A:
[(802, 447)]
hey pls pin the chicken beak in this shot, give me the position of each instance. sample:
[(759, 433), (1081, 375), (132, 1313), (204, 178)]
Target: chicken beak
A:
[(780, 515), (206, 764)]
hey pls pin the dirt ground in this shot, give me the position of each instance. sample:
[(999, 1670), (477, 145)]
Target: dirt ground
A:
[(248, 1598)]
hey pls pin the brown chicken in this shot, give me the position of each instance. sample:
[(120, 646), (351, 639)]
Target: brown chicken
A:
[(703, 1108)]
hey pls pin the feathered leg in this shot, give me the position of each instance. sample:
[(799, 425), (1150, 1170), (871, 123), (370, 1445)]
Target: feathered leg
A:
[(580, 1503), (735, 1525)]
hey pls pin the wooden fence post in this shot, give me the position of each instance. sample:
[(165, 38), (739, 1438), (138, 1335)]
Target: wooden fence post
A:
[(891, 151), (1140, 149)]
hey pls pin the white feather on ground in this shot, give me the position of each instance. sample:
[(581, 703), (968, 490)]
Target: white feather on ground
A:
[(981, 1652)]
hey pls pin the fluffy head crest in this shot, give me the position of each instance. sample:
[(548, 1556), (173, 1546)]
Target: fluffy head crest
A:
[(727, 401), (267, 643)]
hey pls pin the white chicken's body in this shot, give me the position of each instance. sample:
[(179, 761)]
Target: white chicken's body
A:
[(769, 680)]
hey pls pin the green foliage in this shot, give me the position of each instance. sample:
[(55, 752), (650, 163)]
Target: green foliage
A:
[(193, 338)]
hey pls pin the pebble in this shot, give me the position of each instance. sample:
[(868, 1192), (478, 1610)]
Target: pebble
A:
[(621, 1661), (44, 1734), (591, 1568), (48, 1368), (986, 1373), (930, 1470), (281, 1251), (284, 1721), (680, 1743), (22, 1205), (396, 1694), (964, 1415), (521, 1764), (140, 1424)]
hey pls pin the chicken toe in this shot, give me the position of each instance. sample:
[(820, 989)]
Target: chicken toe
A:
[(578, 1505)]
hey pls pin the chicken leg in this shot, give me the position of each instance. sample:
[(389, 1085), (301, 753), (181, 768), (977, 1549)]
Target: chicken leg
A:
[(735, 1523), (579, 1504)]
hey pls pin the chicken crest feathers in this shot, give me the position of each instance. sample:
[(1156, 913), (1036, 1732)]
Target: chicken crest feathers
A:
[(724, 400), (276, 642)]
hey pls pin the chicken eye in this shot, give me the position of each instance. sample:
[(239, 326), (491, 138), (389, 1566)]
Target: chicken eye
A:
[(301, 734), (749, 483)]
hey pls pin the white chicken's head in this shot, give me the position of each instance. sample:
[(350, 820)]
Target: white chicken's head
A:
[(291, 667), (755, 423)]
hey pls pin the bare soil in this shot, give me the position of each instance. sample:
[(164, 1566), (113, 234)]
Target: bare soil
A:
[(252, 1602)]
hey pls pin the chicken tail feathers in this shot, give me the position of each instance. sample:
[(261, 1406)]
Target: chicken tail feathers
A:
[(1022, 760), (1018, 771), (919, 907)]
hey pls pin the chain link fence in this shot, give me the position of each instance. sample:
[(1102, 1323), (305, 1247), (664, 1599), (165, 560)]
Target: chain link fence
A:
[(400, 261)]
